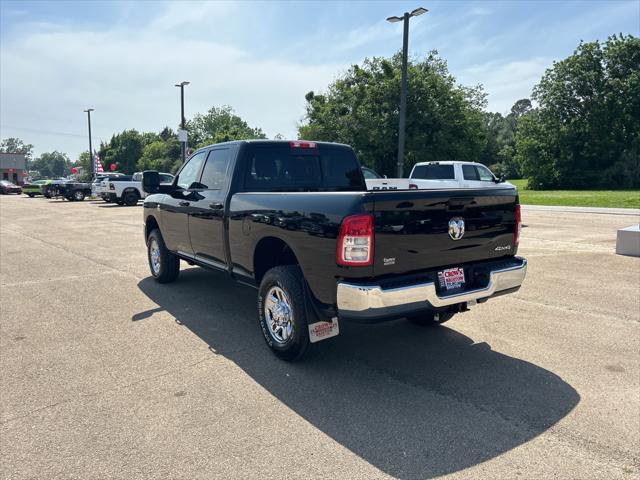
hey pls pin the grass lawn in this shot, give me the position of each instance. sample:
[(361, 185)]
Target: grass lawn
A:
[(578, 198)]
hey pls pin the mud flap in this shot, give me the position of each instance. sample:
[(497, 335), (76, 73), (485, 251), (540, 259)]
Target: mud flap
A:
[(322, 330)]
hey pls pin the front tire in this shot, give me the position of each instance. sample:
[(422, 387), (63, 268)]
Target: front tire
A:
[(78, 195), (282, 312), (430, 319), (164, 265), (31, 195)]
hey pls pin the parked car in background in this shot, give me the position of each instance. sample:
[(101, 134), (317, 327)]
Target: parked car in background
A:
[(101, 190), (34, 188), (73, 191), (438, 175), (49, 187), (6, 187), (128, 192)]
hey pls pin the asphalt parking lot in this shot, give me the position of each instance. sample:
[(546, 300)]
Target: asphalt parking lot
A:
[(106, 374)]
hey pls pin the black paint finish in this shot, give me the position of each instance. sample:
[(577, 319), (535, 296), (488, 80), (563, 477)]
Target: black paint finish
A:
[(225, 228)]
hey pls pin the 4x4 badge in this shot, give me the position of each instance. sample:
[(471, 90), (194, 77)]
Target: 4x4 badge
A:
[(456, 228)]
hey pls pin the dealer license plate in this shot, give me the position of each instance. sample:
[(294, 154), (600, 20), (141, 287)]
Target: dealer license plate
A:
[(451, 278)]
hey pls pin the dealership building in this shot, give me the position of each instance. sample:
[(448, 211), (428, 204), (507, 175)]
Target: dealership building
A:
[(13, 167)]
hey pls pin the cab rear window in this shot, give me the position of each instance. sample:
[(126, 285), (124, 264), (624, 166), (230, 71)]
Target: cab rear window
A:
[(282, 168), (433, 172)]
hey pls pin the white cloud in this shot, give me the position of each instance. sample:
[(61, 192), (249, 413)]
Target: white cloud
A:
[(505, 82), (51, 75)]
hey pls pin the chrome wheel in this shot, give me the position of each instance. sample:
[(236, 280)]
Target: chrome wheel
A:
[(154, 256), (79, 195), (278, 315)]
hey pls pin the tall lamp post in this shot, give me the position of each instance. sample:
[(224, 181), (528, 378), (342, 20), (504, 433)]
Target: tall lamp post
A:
[(183, 134), (403, 87), (93, 168)]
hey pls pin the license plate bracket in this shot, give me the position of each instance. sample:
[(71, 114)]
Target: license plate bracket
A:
[(451, 278)]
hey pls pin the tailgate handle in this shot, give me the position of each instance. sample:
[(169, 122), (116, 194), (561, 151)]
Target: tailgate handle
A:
[(215, 206), (184, 204)]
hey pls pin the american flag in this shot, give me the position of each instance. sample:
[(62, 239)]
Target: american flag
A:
[(97, 164)]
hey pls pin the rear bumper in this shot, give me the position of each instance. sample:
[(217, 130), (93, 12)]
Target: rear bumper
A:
[(372, 302)]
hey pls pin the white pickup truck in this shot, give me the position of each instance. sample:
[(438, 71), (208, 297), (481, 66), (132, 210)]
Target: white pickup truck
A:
[(441, 175), (128, 192), (98, 189)]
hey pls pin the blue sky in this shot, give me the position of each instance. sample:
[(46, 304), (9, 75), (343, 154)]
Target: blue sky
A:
[(122, 58)]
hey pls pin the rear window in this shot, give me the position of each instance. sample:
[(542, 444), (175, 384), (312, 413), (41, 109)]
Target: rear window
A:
[(280, 167), (433, 172)]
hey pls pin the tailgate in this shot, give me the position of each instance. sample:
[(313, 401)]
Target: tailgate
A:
[(412, 228)]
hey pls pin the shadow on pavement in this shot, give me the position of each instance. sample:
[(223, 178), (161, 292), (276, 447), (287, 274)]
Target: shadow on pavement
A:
[(413, 402)]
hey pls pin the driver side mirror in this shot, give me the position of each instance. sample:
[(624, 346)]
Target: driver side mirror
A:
[(150, 181), (501, 179)]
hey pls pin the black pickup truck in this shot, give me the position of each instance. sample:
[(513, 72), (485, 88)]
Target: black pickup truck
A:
[(295, 220)]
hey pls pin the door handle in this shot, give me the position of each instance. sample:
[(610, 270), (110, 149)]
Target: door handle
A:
[(216, 205), (184, 204)]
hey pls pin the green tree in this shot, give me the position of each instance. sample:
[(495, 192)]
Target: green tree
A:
[(219, 124), (361, 108), (161, 155), (585, 132), (84, 162), (52, 164), (499, 150), (15, 145), (124, 150)]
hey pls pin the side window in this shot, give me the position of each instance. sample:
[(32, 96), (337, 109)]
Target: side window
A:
[(189, 173), (166, 178), (470, 172), (214, 174), (484, 174)]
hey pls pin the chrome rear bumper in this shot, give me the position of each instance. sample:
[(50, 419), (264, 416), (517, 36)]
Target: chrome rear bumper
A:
[(371, 301)]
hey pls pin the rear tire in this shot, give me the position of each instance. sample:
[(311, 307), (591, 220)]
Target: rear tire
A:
[(31, 195), (428, 319), (282, 312), (164, 265), (130, 199)]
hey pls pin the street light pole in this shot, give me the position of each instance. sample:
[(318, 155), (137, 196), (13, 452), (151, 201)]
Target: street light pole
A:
[(182, 120), (403, 86), (92, 160)]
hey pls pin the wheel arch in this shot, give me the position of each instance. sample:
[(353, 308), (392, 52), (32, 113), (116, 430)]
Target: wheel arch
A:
[(150, 224), (271, 252)]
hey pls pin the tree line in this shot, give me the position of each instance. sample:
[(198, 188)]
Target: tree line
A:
[(579, 129)]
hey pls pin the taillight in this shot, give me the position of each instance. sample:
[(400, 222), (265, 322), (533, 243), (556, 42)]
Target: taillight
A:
[(355, 242), (516, 233), (302, 144), (413, 186)]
